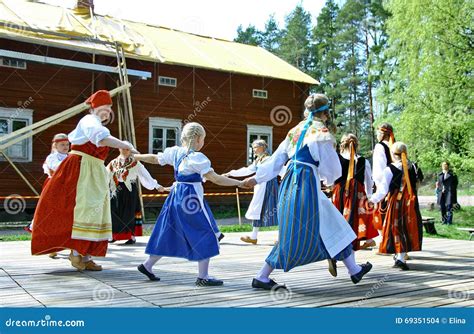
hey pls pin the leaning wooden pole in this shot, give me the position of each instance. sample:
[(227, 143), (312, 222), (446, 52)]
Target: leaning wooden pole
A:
[(20, 173)]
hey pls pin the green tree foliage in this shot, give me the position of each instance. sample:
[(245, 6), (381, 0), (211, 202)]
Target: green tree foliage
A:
[(407, 62), (295, 40), (432, 45), (250, 35)]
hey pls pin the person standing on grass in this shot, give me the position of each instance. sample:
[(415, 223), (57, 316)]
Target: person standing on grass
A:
[(446, 188)]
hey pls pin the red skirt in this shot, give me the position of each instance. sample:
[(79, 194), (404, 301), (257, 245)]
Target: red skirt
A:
[(353, 206), (402, 228), (54, 215)]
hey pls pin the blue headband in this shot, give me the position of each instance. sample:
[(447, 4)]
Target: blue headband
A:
[(303, 132)]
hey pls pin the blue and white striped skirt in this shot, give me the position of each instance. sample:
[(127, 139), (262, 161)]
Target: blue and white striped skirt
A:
[(300, 241)]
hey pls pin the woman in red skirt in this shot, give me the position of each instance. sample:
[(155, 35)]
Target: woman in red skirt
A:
[(74, 208), (350, 195), (351, 192), (402, 226)]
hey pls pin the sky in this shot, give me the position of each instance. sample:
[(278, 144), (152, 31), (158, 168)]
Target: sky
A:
[(214, 18)]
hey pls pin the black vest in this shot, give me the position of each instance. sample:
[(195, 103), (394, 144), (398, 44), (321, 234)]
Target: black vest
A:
[(359, 171), (387, 152), (397, 178)]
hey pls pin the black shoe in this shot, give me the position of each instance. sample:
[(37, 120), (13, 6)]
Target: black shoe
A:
[(112, 241), (400, 264), (208, 282), (271, 285), (221, 237), (141, 268), (366, 267), (332, 267), (130, 242)]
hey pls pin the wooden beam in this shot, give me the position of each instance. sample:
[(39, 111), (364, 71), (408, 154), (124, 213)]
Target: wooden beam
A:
[(12, 138), (20, 173)]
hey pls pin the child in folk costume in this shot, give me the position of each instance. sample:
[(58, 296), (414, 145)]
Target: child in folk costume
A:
[(402, 228), (124, 172), (74, 208), (59, 152), (186, 227), (351, 192), (311, 228), (262, 208)]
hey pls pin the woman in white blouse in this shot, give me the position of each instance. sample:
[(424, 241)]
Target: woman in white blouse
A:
[(263, 206), (311, 228), (402, 227), (74, 208)]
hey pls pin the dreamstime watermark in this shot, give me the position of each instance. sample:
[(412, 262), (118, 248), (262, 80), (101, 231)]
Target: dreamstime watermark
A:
[(459, 293), (103, 293), (14, 204), (191, 204), (194, 25), (14, 27), (46, 322), (281, 294), (281, 115), (199, 106), (22, 106), (374, 288)]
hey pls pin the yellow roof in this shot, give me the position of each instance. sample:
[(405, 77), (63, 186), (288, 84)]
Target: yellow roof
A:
[(72, 28)]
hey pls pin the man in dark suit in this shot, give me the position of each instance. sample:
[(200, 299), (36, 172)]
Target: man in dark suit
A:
[(446, 187)]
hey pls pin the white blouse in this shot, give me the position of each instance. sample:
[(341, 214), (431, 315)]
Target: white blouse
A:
[(89, 128), (384, 183), (379, 162), (249, 170), (194, 163), (368, 183), (321, 148), (144, 176), (53, 161)]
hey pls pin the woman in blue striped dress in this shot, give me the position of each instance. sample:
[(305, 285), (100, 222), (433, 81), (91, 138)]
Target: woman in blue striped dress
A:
[(311, 228)]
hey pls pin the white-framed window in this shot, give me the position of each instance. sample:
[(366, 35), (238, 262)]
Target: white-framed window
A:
[(255, 132), (13, 63), (167, 81), (12, 119), (163, 133), (260, 93)]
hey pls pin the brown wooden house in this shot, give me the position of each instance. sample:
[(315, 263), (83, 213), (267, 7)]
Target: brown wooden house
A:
[(52, 58)]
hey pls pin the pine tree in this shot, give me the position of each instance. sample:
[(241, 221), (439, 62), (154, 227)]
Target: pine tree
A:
[(295, 39), (271, 36), (327, 55), (251, 35), (354, 88)]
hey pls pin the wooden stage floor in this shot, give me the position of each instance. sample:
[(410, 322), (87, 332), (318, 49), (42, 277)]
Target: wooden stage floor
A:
[(441, 276)]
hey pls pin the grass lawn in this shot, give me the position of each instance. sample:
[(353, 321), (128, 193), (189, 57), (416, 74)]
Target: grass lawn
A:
[(461, 218)]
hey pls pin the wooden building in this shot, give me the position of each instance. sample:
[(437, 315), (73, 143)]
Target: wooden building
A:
[(52, 58)]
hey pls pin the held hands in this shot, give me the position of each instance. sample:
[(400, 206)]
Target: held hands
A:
[(162, 189), (249, 182)]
